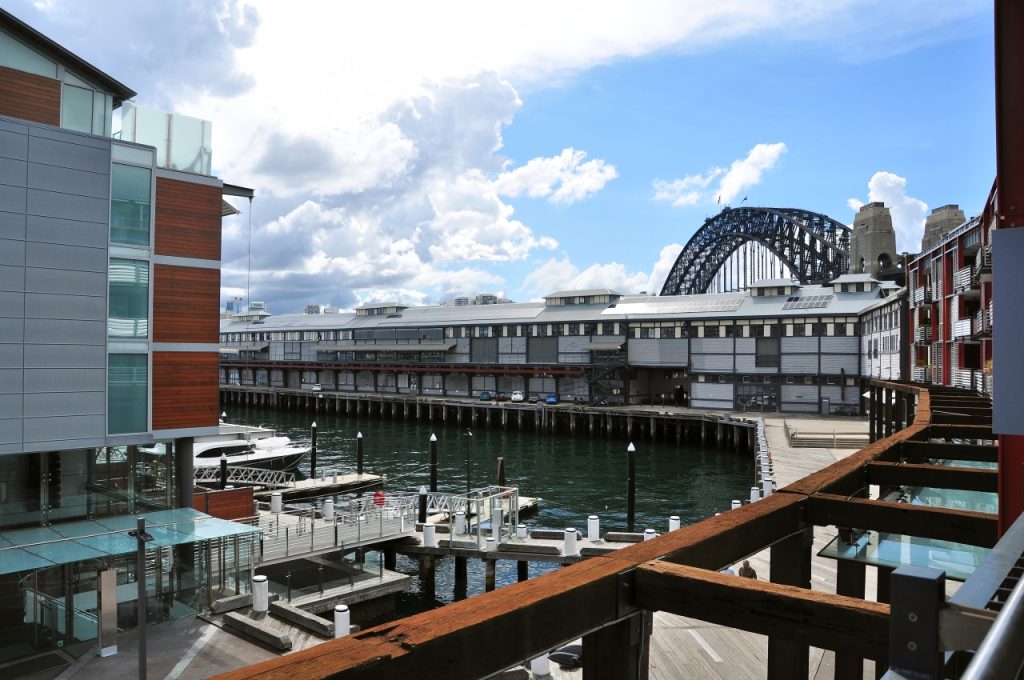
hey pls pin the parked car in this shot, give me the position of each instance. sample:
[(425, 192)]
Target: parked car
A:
[(500, 396), (551, 399), (517, 395), (485, 396), (533, 399), (317, 388)]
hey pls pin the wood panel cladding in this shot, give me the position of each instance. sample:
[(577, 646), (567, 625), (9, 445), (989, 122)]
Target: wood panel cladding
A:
[(187, 219), (29, 97), (225, 503), (185, 390), (185, 304)]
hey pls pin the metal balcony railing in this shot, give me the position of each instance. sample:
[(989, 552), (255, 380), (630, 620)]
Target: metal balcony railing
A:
[(923, 334), (962, 328), (921, 374), (962, 279)]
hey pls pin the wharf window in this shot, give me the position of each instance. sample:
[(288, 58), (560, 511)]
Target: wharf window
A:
[(648, 333), (434, 357), (127, 393), (589, 328), (129, 299), (574, 329), (607, 328), (730, 331), (841, 329), (799, 330), (711, 332), (130, 199), (292, 350), (767, 353)]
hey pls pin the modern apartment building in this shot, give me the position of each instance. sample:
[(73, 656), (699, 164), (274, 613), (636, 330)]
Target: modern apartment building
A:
[(109, 296)]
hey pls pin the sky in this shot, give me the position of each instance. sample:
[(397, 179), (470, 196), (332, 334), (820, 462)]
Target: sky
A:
[(417, 151)]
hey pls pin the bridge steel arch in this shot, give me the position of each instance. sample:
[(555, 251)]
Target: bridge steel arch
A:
[(815, 247)]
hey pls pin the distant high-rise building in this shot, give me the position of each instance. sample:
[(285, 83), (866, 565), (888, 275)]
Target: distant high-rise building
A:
[(257, 306), (314, 309)]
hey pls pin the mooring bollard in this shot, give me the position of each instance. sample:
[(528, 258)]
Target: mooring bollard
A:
[(520, 531), (736, 504), (492, 545), (335, 477), (649, 534), (755, 494), (593, 528), (328, 509), (460, 522), (570, 541), (342, 620), (423, 505), (766, 484), (540, 666), (260, 594), (276, 503), (673, 522), (429, 535)]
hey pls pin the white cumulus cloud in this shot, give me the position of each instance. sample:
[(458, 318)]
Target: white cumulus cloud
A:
[(565, 178), (743, 173), (908, 213)]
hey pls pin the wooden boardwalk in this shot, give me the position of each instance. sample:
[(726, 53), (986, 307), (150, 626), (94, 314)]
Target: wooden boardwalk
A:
[(689, 648)]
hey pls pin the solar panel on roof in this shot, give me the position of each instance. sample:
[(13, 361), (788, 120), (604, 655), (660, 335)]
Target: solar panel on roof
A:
[(807, 302)]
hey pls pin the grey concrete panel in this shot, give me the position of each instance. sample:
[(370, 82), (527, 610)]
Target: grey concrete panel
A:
[(67, 232), (65, 332), (50, 306), (39, 380), (13, 199), (63, 281), (12, 226), (746, 345), (67, 206), (13, 125), (12, 330), (80, 156), (10, 405), (65, 356), (67, 180), (10, 431), (70, 137), (707, 390), (712, 345), (11, 380), (13, 172), (847, 345), (12, 304), (55, 256), (12, 279), (65, 403), (800, 363), (13, 145), (63, 428), (10, 356), (746, 363), (717, 363), (12, 252)]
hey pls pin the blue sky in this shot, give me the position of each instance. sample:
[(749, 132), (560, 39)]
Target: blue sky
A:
[(418, 151)]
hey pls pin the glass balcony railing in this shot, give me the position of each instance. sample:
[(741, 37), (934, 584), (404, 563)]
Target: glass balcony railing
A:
[(182, 142)]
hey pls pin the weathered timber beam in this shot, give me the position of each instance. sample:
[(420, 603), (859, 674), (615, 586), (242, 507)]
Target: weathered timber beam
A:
[(944, 524), (819, 619), (912, 450), (939, 476)]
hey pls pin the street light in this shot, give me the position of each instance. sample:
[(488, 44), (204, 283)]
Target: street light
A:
[(141, 537)]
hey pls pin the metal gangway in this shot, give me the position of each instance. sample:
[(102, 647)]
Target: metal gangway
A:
[(239, 475), (327, 525)]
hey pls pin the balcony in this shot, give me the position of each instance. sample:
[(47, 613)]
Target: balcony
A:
[(962, 328), (921, 296), (921, 374), (182, 142), (923, 334), (963, 377), (962, 280)]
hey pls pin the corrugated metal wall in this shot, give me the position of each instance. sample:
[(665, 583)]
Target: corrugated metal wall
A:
[(649, 352), (711, 395), (802, 364), (718, 363), (800, 398)]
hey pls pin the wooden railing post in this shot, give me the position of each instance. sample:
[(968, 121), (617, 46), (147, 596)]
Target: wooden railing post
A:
[(618, 651), (790, 565)]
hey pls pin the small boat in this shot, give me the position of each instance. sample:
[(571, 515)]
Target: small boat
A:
[(269, 453)]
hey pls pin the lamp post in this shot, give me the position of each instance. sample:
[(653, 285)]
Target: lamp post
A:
[(630, 485), (469, 452), (141, 538)]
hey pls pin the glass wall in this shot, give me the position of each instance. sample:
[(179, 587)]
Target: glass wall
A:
[(128, 315), (83, 108), (182, 142), (130, 199), (127, 393)]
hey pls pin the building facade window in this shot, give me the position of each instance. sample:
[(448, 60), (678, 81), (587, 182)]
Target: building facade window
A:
[(127, 393), (128, 286), (130, 200)]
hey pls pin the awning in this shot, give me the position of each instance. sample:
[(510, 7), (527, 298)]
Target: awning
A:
[(44, 547), (244, 347), (431, 347)]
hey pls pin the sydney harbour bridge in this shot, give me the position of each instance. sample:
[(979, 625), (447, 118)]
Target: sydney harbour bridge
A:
[(741, 245)]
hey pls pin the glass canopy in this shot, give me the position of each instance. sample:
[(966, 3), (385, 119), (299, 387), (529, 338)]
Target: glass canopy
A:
[(958, 560)]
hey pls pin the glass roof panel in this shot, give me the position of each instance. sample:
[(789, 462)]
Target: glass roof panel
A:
[(958, 560)]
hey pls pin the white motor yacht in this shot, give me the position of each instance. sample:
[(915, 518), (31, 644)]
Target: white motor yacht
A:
[(270, 453)]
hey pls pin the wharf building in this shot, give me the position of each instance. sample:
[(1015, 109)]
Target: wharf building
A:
[(109, 289), (779, 346)]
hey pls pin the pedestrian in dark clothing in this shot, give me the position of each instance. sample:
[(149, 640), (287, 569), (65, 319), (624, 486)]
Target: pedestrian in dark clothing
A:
[(747, 571)]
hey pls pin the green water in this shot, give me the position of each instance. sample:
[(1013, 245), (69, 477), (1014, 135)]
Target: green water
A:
[(574, 476)]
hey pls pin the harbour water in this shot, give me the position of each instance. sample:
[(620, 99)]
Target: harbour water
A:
[(574, 476)]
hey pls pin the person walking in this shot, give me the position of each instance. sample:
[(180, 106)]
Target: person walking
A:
[(747, 571)]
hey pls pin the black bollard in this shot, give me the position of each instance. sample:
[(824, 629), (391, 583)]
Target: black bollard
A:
[(501, 471), (223, 471), (312, 452), (433, 463), (359, 453), (423, 505), (630, 485)]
